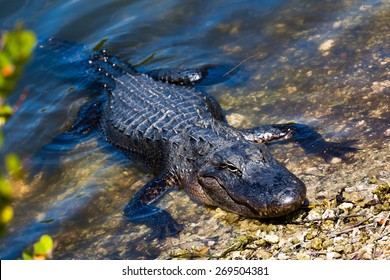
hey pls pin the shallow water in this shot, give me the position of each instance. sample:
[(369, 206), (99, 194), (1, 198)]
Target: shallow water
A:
[(325, 64)]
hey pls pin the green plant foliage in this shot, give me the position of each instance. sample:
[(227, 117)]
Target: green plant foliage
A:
[(146, 60), (5, 190), (5, 113), (6, 214), (42, 249), (19, 44), (44, 245), (15, 50), (14, 167), (99, 45)]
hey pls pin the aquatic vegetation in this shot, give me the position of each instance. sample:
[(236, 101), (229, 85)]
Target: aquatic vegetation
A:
[(42, 249), (15, 50)]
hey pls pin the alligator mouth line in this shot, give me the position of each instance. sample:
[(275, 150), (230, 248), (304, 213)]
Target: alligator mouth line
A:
[(256, 213)]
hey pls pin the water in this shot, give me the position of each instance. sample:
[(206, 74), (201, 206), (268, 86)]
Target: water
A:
[(321, 63)]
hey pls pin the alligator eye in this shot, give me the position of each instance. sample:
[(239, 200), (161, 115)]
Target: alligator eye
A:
[(231, 167)]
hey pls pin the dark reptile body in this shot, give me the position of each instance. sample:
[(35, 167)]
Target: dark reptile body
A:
[(182, 134), (146, 117)]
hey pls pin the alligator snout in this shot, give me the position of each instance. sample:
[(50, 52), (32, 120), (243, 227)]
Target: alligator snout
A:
[(288, 200), (256, 200)]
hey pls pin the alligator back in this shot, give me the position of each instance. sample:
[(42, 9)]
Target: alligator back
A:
[(141, 115)]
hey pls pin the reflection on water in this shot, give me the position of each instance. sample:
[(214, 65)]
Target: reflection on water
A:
[(322, 63)]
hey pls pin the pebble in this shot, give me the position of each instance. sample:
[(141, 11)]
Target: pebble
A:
[(271, 238), (295, 240), (291, 89), (365, 7), (337, 24), (313, 215), (333, 255), (348, 248), (264, 255), (328, 214), (346, 206), (327, 243), (235, 119), (326, 46), (335, 160), (361, 123), (311, 234), (283, 256), (338, 248), (303, 256), (316, 243), (235, 255)]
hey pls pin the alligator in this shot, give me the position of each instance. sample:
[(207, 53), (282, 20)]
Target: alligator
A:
[(164, 120)]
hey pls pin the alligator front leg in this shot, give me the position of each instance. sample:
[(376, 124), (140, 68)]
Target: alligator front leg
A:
[(141, 211), (310, 140), (205, 75), (179, 76)]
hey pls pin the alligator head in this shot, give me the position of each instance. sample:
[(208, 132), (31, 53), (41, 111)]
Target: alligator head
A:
[(244, 178)]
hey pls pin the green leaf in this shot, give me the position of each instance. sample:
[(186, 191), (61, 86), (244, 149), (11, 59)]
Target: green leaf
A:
[(6, 215), (2, 84), (26, 256), (47, 221), (5, 189), (4, 60), (19, 44), (6, 111), (39, 249), (13, 165), (47, 240), (16, 50), (28, 40), (44, 246), (99, 45), (146, 60)]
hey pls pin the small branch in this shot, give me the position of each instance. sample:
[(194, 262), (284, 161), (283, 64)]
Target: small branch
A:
[(380, 237), (384, 224), (350, 229), (238, 65), (330, 218)]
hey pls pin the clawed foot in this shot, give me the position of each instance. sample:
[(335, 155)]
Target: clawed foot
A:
[(311, 141), (140, 209), (160, 222), (164, 227)]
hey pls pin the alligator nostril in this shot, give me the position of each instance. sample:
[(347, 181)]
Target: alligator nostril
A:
[(290, 201)]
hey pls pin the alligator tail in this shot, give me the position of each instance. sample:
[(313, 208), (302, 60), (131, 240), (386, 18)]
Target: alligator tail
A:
[(105, 68)]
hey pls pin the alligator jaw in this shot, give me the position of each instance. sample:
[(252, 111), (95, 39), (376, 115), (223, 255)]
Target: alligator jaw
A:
[(281, 204)]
